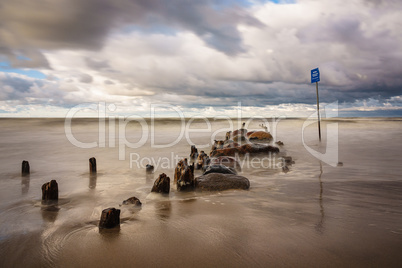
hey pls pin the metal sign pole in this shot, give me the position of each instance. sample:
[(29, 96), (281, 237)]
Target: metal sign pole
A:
[(318, 112), (315, 77)]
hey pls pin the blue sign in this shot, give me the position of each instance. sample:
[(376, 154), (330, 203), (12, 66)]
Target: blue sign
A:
[(315, 75)]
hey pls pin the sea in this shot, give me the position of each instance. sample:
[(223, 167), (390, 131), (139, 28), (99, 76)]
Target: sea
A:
[(337, 203)]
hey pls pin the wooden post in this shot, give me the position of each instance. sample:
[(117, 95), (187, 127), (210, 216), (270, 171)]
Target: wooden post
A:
[(50, 191), (110, 218), (318, 112), (92, 165), (25, 168), (162, 184)]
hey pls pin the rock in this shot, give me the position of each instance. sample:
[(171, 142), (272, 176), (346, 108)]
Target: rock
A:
[(25, 168), (288, 160), (245, 149), (241, 132), (50, 191), (184, 176), (227, 161), (239, 138), (132, 201), (225, 152), (285, 169), (228, 135), (260, 135), (92, 165), (257, 149), (221, 182), (218, 144), (249, 133), (110, 218), (162, 184), (219, 169), (149, 169)]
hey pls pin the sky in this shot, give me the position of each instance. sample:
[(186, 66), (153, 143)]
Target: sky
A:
[(204, 57)]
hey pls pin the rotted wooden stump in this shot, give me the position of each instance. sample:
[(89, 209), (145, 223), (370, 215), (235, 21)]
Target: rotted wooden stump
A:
[(110, 218), (92, 165), (162, 184), (50, 191), (25, 168), (149, 169)]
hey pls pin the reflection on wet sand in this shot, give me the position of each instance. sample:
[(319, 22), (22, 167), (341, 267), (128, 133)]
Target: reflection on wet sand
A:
[(25, 180), (150, 176), (163, 209), (92, 180), (320, 225), (50, 211)]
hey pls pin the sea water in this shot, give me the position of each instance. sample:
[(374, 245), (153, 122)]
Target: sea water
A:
[(315, 213)]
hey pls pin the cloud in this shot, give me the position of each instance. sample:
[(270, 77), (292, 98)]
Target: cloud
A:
[(203, 54), (28, 27), (85, 78)]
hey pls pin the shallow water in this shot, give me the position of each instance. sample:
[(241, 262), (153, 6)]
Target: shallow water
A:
[(314, 215)]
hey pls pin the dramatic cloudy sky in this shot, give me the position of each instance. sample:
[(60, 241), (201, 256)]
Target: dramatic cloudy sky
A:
[(201, 56)]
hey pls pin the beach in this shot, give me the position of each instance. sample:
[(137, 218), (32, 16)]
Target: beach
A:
[(316, 214)]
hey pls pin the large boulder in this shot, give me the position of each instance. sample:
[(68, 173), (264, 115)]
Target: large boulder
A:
[(260, 135), (162, 184), (225, 152), (221, 182), (245, 149), (257, 149), (227, 161), (219, 169)]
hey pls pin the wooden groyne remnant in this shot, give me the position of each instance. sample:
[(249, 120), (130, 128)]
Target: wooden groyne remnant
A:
[(25, 169), (162, 184), (92, 165), (50, 191), (110, 218)]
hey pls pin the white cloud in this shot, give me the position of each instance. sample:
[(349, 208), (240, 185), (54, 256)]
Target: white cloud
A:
[(356, 45)]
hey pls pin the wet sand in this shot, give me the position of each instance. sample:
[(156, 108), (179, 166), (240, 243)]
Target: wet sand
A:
[(315, 215)]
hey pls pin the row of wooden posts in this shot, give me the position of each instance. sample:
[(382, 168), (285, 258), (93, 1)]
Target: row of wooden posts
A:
[(110, 217)]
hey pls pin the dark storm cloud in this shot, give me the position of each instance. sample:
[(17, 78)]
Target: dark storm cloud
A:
[(97, 65), (85, 78), (27, 27), (19, 85)]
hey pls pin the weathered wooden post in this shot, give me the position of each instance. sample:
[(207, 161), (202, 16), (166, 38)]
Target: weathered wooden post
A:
[(92, 165), (25, 168), (50, 191), (110, 218), (149, 169), (162, 184)]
